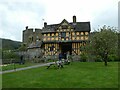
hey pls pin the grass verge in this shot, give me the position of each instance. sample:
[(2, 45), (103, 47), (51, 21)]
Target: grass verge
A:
[(75, 75)]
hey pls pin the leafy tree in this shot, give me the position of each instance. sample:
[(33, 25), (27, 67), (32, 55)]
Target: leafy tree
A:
[(8, 54), (23, 47), (103, 43)]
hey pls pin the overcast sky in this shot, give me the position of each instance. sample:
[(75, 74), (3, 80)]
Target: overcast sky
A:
[(15, 15)]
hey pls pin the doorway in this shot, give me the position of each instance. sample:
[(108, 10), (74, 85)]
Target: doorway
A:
[(65, 48)]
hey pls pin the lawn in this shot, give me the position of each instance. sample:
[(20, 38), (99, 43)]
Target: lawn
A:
[(76, 75)]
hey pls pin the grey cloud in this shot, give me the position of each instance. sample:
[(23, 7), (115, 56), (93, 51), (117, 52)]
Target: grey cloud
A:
[(119, 15), (14, 29), (108, 17), (11, 26)]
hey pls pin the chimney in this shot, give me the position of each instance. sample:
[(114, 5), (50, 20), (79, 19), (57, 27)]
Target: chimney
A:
[(26, 27), (45, 24), (74, 19)]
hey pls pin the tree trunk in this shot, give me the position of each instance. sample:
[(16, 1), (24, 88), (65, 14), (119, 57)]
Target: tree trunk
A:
[(106, 54), (105, 62)]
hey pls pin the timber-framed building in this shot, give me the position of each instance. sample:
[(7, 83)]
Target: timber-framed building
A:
[(59, 38)]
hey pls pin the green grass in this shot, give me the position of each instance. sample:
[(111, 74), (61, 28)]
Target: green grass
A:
[(12, 66), (76, 75)]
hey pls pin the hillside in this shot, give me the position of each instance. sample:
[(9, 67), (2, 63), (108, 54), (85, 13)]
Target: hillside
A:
[(8, 44)]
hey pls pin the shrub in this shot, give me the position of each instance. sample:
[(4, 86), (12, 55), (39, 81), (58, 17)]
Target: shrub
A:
[(98, 58), (10, 55), (70, 58), (113, 57), (83, 57)]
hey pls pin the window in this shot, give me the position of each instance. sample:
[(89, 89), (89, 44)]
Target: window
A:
[(77, 33), (86, 38), (52, 34), (44, 39), (77, 38), (86, 33), (66, 38), (65, 29), (82, 38), (63, 34), (48, 38), (52, 38), (67, 34), (56, 38), (68, 30), (56, 34), (82, 33), (73, 38), (44, 34), (48, 34), (62, 39), (73, 33), (51, 48)]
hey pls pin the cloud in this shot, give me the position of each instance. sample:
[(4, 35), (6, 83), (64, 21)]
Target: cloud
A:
[(16, 14), (119, 16)]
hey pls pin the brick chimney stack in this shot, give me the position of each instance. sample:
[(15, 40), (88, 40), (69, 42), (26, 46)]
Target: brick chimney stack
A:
[(26, 27), (45, 24), (74, 19)]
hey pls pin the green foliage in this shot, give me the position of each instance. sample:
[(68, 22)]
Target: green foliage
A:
[(102, 43), (70, 58), (98, 58), (7, 54), (23, 47), (84, 57), (113, 57)]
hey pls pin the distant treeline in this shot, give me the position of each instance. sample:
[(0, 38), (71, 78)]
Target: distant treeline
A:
[(8, 44)]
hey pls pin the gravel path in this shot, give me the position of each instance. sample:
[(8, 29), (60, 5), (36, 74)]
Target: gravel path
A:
[(25, 68)]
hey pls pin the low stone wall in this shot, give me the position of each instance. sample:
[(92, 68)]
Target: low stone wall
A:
[(75, 57), (54, 58), (9, 61), (71, 58)]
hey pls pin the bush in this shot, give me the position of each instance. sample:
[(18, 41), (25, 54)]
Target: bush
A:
[(75, 58), (83, 57), (113, 57), (98, 58), (70, 58), (8, 56)]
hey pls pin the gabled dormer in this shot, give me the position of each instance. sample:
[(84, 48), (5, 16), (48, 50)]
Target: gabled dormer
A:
[(64, 26)]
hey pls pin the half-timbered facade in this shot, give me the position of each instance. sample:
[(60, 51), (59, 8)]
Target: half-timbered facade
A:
[(65, 37), (57, 38)]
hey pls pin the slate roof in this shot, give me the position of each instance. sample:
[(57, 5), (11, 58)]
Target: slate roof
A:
[(82, 26), (50, 28), (78, 26), (35, 45)]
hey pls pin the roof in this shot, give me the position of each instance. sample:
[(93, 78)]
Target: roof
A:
[(35, 45), (82, 26), (78, 26)]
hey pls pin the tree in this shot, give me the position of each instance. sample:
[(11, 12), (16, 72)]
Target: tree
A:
[(23, 47), (103, 43)]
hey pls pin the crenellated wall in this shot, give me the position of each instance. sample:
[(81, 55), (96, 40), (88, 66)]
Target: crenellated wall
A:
[(31, 35)]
